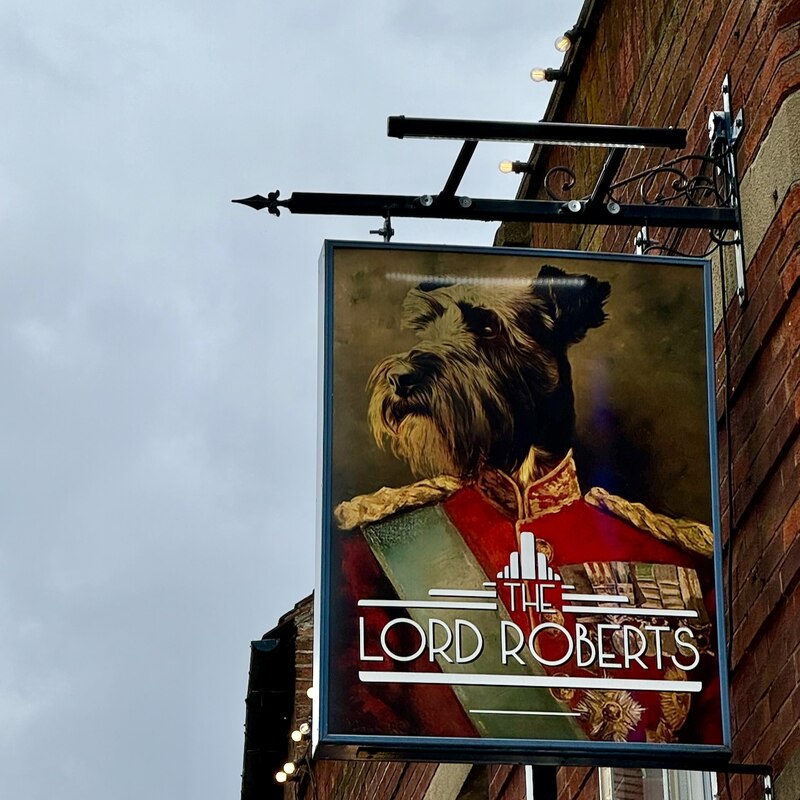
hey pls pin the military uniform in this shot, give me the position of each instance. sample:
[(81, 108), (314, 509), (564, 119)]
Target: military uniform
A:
[(594, 547)]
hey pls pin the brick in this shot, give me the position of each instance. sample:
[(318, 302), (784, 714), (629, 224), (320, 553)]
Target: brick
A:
[(788, 753), (763, 273), (791, 565), (497, 779), (782, 686), (768, 462), (791, 526)]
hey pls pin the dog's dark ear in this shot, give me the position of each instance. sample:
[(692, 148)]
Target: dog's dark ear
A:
[(574, 303)]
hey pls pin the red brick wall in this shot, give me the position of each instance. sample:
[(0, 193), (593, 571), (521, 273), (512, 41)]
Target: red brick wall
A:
[(303, 616), (365, 780)]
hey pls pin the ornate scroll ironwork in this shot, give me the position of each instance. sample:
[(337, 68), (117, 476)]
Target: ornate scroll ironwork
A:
[(696, 180), (672, 182), (562, 189)]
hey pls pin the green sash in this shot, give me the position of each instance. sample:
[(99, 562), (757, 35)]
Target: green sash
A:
[(416, 549)]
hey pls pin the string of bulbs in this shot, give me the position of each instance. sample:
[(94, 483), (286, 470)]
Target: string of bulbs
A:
[(292, 769), (563, 44)]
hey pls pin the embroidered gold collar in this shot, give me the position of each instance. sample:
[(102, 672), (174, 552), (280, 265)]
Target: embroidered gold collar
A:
[(546, 495)]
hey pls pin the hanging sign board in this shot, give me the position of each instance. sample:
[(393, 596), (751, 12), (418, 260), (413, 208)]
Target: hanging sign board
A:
[(519, 552)]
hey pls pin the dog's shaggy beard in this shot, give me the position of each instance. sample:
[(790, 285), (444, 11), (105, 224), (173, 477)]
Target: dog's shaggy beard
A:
[(449, 424)]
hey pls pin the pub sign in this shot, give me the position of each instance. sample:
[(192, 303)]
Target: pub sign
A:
[(519, 526)]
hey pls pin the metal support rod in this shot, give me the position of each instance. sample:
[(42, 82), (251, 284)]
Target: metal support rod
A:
[(459, 168), (542, 132), (733, 129), (607, 174), (540, 783), (765, 770), (490, 210)]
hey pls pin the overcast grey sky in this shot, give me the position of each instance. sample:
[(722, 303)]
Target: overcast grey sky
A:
[(158, 343)]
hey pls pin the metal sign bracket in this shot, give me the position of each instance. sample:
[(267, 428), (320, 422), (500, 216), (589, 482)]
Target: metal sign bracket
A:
[(699, 191)]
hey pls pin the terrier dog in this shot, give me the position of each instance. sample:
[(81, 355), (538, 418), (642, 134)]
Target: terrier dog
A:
[(489, 384)]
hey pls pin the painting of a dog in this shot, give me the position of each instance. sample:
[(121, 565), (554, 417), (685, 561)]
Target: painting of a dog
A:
[(489, 382)]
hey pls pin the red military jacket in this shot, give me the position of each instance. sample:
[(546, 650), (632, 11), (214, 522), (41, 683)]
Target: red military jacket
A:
[(624, 621)]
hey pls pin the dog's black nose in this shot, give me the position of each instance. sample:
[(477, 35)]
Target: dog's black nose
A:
[(402, 380)]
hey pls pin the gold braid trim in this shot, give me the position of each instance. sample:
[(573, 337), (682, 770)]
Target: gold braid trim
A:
[(368, 508), (686, 533)]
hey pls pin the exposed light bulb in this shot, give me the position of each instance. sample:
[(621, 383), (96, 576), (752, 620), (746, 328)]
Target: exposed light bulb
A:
[(311, 692), (538, 74), (304, 728), (290, 768), (297, 736), (281, 776), (567, 39), (563, 43), (506, 166)]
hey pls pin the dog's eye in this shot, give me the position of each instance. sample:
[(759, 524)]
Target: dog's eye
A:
[(481, 321), (489, 330)]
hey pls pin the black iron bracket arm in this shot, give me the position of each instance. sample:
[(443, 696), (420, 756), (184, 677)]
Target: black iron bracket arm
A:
[(490, 210), (447, 205)]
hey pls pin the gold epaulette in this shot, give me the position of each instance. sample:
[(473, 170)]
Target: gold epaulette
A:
[(376, 506), (686, 533)]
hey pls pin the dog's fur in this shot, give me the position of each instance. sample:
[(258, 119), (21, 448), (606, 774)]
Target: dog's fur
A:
[(489, 383)]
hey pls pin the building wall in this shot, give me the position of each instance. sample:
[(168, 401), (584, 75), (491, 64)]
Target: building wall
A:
[(662, 63)]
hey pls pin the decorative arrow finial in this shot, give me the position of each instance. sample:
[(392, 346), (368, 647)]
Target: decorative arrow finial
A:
[(258, 202)]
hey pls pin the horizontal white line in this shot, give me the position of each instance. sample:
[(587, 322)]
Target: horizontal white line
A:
[(461, 593), (489, 583), (600, 598), (525, 713), (427, 604), (531, 681), (567, 586), (642, 612)]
